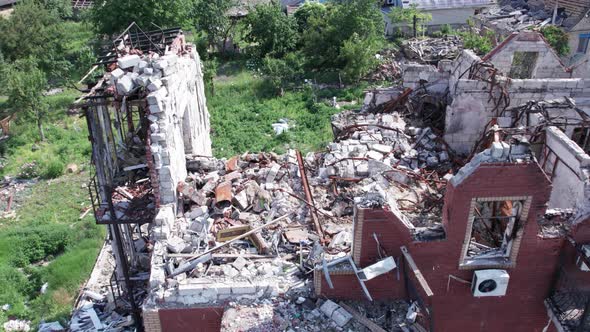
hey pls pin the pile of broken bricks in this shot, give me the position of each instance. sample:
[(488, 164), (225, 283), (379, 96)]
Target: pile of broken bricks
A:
[(432, 50)]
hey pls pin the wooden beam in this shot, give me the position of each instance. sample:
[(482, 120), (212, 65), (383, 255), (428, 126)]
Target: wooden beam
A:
[(416, 271), (362, 319)]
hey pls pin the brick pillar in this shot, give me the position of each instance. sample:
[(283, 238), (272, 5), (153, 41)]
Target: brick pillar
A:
[(151, 320)]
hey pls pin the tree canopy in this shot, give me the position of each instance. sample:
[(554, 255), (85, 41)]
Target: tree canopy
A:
[(271, 30), (34, 31), (112, 16), (210, 16), (24, 83), (329, 31)]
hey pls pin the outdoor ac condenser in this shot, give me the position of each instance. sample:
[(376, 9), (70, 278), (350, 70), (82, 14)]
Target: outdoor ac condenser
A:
[(489, 283)]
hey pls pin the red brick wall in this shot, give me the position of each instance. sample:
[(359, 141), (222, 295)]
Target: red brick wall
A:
[(191, 320), (454, 308)]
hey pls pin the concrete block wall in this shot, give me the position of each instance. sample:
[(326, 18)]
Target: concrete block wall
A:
[(571, 177), (192, 292), (471, 109), (179, 120), (548, 64), (436, 81)]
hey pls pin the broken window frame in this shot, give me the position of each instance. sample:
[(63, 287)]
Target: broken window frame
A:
[(511, 237)]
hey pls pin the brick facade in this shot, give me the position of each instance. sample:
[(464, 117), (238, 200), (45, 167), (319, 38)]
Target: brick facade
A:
[(191, 319), (151, 321), (453, 306)]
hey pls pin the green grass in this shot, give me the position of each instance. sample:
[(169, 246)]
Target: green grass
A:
[(46, 241), (244, 107), (66, 141), (47, 228)]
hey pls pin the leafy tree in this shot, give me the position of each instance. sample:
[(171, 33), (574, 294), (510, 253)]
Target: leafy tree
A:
[(62, 8), (282, 72), (557, 38), (325, 37), (410, 16), (310, 11), (113, 16), (33, 31), (271, 30), (24, 83), (211, 17), (359, 57)]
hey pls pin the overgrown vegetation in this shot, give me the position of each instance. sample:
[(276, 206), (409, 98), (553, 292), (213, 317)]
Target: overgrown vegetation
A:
[(245, 106), (481, 45), (45, 241), (48, 234), (557, 38)]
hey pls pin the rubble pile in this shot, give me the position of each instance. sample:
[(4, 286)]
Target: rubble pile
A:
[(509, 19), (97, 316), (388, 69), (432, 50), (305, 314), (13, 193)]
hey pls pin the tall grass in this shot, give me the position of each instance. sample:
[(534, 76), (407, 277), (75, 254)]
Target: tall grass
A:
[(66, 141), (244, 107)]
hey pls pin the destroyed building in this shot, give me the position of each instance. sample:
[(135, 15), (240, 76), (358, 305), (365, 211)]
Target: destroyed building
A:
[(458, 202), (569, 15)]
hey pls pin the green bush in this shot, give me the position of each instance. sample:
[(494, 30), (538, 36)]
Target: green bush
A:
[(446, 29), (479, 44), (557, 38), (52, 169), (34, 243)]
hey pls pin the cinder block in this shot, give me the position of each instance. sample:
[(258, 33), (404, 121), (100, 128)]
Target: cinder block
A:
[(128, 61), (243, 288)]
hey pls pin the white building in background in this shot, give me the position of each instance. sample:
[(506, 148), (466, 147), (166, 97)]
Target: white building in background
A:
[(452, 12)]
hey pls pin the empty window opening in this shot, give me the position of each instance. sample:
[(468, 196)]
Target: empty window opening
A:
[(523, 64), (583, 43), (494, 229), (582, 137)]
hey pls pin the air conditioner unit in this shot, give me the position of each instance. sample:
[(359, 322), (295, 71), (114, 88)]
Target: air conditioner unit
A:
[(489, 283), (580, 262)]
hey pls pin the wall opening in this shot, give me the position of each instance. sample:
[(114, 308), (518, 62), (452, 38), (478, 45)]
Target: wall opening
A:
[(582, 137), (493, 231), (523, 64)]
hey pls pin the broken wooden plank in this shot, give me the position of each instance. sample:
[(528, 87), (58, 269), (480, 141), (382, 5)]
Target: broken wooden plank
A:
[(260, 243), (416, 271), (362, 319), (231, 232), (255, 230)]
